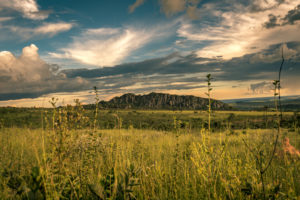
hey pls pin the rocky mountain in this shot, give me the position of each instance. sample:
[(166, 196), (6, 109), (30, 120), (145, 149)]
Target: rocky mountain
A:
[(162, 101)]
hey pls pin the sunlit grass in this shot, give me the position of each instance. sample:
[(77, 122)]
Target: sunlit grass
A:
[(167, 165)]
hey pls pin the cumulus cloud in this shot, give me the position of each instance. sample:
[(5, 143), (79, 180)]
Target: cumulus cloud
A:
[(136, 4), (28, 8), (105, 46), (29, 76), (49, 29), (28, 67)]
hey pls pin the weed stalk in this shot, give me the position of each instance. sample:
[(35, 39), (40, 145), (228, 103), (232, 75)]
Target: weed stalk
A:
[(208, 94)]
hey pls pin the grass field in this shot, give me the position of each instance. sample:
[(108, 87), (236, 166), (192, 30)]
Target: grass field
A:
[(75, 156), (161, 120)]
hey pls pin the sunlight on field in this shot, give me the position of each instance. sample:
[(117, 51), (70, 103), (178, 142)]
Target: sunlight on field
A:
[(74, 152), (142, 164)]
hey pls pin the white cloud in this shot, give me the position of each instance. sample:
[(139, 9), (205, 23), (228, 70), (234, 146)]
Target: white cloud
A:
[(241, 31), (28, 67), (28, 73), (28, 8), (259, 5), (49, 29), (105, 46), (53, 29)]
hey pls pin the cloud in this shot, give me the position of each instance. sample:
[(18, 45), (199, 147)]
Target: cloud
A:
[(106, 46), (64, 98), (3, 19), (261, 87), (188, 72), (264, 5), (261, 65), (237, 32), (53, 28), (171, 7), (28, 8), (292, 16), (274, 54), (29, 76), (193, 12), (136, 4), (48, 29), (273, 21)]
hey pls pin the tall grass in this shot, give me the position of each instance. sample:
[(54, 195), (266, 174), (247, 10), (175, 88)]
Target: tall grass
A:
[(141, 164)]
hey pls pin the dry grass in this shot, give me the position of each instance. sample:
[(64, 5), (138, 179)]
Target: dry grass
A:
[(143, 164)]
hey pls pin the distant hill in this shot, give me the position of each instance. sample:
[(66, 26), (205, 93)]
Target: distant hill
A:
[(289, 103), (162, 101)]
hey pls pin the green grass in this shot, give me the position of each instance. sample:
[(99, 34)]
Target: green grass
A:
[(142, 164), (72, 153), (161, 120)]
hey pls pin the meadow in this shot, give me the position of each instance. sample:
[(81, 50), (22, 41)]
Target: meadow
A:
[(73, 153), (161, 120)]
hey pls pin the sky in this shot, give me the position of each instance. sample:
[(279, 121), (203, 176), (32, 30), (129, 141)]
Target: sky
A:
[(63, 48)]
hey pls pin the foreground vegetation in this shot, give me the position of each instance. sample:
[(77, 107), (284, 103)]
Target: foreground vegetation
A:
[(76, 156), (70, 153), (141, 164)]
